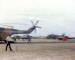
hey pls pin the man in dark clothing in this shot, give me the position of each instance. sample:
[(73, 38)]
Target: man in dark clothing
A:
[(29, 38), (9, 40), (8, 45)]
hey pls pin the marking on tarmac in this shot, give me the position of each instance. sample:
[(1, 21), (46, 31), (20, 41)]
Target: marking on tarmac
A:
[(37, 42)]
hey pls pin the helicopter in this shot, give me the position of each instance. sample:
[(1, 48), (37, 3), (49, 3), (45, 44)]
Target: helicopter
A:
[(5, 32), (64, 37)]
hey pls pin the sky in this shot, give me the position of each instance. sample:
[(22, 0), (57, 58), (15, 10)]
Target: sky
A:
[(55, 16)]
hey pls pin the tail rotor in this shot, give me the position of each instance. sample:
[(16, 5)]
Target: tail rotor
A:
[(35, 25)]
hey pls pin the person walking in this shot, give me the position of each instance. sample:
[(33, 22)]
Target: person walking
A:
[(9, 40), (29, 38)]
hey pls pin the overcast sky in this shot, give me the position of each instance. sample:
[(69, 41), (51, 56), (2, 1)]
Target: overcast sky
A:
[(55, 16)]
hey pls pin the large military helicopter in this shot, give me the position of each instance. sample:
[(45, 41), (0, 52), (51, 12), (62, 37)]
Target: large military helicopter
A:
[(5, 32)]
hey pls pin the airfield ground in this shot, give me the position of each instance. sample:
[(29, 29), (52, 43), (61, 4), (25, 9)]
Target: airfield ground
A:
[(52, 51)]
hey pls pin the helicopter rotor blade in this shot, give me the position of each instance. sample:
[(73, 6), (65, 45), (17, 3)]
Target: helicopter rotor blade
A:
[(7, 26), (38, 26), (32, 22), (37, 22)]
